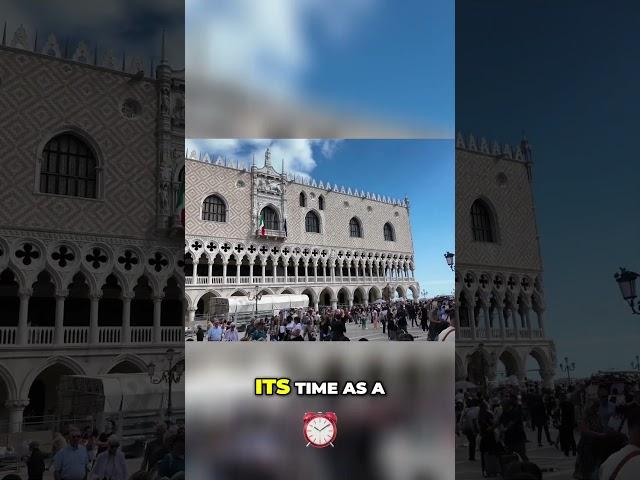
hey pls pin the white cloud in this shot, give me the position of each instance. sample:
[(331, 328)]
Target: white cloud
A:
[(296, 154), (265, 45)]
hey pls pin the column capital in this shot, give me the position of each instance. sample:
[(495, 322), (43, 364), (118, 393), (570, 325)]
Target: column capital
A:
[(158, 298), (19, 403), (25, 293), (62, 294), (192, 309), (95, 296)]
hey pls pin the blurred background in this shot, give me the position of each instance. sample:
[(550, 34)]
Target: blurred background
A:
[(234, 434), (320, 69)]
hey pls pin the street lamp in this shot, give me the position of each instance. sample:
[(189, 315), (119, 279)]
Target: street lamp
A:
[(568, 367), (257, 297), (424, 293), (627, 284), (636, 365), (169, 376), (449, 258)]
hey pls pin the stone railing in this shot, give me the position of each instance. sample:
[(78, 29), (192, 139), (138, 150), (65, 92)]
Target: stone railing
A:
[(481, 333), (282, 280), (37, 336)]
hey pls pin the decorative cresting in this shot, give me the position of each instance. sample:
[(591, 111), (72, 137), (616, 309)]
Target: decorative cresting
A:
[(299, 179), (499, 305), (89, 53), (520, 152)]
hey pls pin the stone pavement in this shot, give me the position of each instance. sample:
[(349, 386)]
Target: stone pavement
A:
[(133, 464), (355, 332), (555, 465)]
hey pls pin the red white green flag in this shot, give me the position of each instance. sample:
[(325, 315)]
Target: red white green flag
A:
[(263, 230)]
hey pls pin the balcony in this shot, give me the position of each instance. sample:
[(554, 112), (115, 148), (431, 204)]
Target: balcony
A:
[(272, 234), (105, 336), (282, 280), (480, 333)]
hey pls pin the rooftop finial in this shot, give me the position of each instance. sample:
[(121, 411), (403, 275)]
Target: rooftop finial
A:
[(163, 57), (525, 148), (267, 158)]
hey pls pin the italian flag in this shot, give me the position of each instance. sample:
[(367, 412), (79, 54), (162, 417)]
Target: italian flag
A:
[(263, 230), (180, 206)]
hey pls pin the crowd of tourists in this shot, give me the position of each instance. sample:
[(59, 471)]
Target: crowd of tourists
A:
[(393, 320), (86, 454), (598, 424)]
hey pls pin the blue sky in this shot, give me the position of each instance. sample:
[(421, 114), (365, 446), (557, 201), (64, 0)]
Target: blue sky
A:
[(568, 74), (380, 60), (421, 169)]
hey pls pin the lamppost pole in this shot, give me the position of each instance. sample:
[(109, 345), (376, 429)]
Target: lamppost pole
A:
[(636, 364), (568, 367), (169, 376)]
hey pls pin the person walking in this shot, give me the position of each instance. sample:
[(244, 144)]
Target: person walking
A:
[(215, 332), (35, 463), (110, 465), (625, 463), (469, 426), (512, 422), (72, 461), (199, 334), (567, 426)]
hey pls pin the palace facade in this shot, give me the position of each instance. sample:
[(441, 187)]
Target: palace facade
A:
[(337, 246), (499, 272), (92, 160)]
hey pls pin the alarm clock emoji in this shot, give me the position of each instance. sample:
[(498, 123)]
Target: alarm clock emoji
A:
[(320, 429)]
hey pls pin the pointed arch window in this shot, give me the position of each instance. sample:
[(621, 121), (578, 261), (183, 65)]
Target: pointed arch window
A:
[(321, 202), (214, 209), (355, 229), (482, 222), (303, 199), (271, 221), (389, 233), (312, 223), (69, 167)]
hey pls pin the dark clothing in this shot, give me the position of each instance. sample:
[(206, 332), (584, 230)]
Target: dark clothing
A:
[(514, 436), (170, 465), (153, 453), (35, 465), (471, 438), (200, 335)]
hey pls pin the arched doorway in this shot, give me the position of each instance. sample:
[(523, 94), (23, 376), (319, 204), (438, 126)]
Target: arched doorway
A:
[(343, 297), (374, 294), (142, 304), (325, 298), (126, 366), (77, 305), (477, 367), (171, 308), (311, 294), (359, 296), (43, 394), (110, 304), (508, 366), (42, 303)]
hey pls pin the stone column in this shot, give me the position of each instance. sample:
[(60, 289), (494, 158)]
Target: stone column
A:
[(315, 272), (59, 322), (192, 314), (487, 324), (16, 411), (238, 263), (334, 303), (251, 264), (527, 316), (349, 272), (209, 273), (306, 272), (157, 311), (264, 271), (224, 271), (472, 319), (540, 314), (516, 323), (94, 334), (23, 318), (126, 319), (501, 320), (275, 272), (286, 274), (332, 272), (547, 378), (295, 270)]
